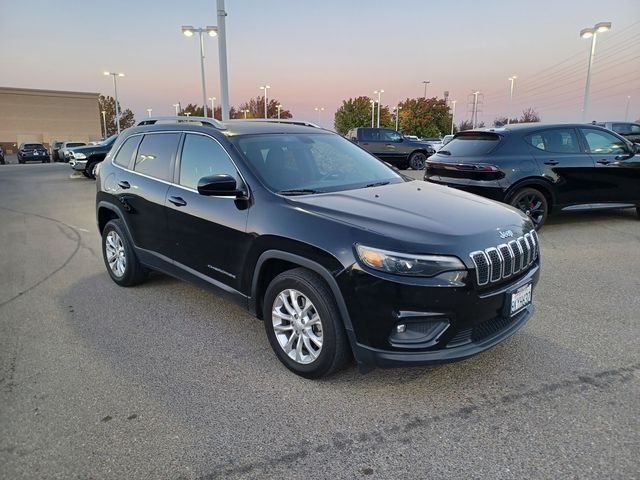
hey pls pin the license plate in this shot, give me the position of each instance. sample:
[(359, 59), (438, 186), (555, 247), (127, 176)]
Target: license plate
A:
[(520, 298)]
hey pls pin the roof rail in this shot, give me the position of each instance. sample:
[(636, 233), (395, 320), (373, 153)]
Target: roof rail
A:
[(287, 121), (206, 121)]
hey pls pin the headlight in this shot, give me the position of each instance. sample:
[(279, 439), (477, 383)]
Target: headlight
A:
[(407, 264), (78, 155)]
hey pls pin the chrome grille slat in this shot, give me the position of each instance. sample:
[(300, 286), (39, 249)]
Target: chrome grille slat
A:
[(494, 264)]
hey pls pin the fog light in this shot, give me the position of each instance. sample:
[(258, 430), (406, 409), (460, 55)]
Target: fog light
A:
[(401, 328)]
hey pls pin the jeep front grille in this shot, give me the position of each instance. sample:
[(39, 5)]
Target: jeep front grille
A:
[(497, 263)]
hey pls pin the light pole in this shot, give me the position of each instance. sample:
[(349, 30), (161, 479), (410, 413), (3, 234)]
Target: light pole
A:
[(245, 113), (279, 107), (319, 109), (149, 110), (426, 82), (188, 114), (512, 80), (475, 108), (177, 107), (213, 107), (626, 110), (593, 34), (222, 59), (398, 108), (188, 31), (379, 92), (115, 89), (373, 107), (265, 88), (104, 123), (453, 114)]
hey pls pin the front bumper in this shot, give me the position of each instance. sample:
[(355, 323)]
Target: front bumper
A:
[(475, 319), (34, 158), (79, 165)]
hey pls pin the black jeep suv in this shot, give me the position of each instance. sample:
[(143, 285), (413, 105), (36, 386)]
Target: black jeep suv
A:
[(338, 253), (541, 168)]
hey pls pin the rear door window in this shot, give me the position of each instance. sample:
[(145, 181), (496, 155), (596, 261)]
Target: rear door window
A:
[(126, 152), (156, 155), (471, 144), (557, 140)]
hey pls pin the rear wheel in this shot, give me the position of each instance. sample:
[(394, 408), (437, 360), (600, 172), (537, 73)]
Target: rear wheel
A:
[(119, 257), (417, 160), (533, 203), (90, 171), (303, 324)]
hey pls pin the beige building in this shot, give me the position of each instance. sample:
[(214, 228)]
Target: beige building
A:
[(45, 116)]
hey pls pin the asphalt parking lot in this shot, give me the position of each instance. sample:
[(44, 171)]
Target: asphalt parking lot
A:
[(168, 381)]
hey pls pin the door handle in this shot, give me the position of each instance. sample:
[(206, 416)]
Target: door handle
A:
[(124, 184), (603, 162), (177, 201), (551, 162)]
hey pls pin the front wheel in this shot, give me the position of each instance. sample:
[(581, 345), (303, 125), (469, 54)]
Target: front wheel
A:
[(532, 203), (417, 160), (303, 324), (90, 171)]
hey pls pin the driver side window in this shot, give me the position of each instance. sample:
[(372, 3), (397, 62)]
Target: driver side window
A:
[(391, 136), (603, 142), (202, 156)]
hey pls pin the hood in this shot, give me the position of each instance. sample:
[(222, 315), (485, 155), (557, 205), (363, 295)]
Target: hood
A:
[(90, 148), (418, 214)]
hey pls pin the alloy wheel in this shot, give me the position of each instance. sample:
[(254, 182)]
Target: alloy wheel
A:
[(533, 205), (297, 326), (116, 256)]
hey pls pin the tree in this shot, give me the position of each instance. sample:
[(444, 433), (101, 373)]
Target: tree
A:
[(193, 110), (107, 104), (424, 117), (355, 112), (501, 121), (256, 109), (529, 115), (468, 125)]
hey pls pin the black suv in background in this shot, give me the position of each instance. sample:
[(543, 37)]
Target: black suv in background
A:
[(390, 146), (86, 159), (338, 253), (541, 168), (33, 152), (630, 131)]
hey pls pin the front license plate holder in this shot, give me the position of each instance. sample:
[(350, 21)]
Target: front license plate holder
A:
[(518, 299)]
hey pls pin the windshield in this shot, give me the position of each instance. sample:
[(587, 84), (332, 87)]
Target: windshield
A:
[(75, 145), (471, 144), (109, 140), (312, 163)]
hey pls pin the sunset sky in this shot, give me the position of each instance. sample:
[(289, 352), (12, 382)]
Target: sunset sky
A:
[(318, 53)]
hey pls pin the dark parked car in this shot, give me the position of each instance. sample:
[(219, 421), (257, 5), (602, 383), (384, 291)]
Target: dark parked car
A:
[(33, 152), (338, 253), (55, 148), (63, 153), (86, 159), (2, 162), (392, 147), (542, 169), (631, 131)]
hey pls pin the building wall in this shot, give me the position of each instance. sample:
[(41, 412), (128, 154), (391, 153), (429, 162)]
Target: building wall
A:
[(47, 115)]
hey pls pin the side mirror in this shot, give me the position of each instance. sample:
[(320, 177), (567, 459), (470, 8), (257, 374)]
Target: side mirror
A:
[(222, 185)]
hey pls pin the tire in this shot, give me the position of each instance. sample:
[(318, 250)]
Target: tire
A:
[(320, 322), (90, 170), (532, 203), (417, 160), (126, 270), (638, 212)]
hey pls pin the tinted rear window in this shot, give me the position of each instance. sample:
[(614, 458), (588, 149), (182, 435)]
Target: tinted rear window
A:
[(78, 144), (33, 145), (471, 143), (156, 154)]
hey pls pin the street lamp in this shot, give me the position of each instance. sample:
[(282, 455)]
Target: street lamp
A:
[(398, 108), (115, 88), (379, 92), (177, 107), (265, 88), (626, 110), (453, 114), (279, 107), (149, 110), (512, 80), (213, 106), (319, 109), (245, 113), (591, 33), (104, 124), (426, 82), (373, 107), (188, 114), (188, 31)]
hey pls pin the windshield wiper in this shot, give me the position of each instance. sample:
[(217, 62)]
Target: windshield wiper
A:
[(377, 184), (299, 191)]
